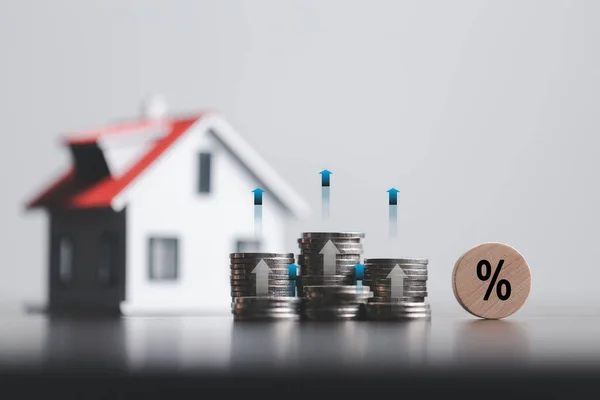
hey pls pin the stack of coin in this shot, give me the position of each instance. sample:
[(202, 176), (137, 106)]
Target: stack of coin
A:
[(265, 308), (261, 287), (247, 267), (328, 258), (399, 288), (334, 302)]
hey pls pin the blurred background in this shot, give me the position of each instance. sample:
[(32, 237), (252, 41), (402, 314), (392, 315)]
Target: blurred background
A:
[(482, 113)]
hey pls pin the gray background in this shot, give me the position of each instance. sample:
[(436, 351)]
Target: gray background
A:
[(482, 113)]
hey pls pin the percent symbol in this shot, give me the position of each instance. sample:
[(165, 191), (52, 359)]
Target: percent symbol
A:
[(484, 274)]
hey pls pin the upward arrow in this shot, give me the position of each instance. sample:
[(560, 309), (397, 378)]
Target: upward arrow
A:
[(325, 174), (397, 276), (360, 271), (258, 196), (329, 252), (262, 272), (393, 198), (293, 271)]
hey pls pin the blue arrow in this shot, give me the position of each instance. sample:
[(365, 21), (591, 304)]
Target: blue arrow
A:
[(325, 174), (360, 271), (393, 196), (293, 271), (258, 196), (393, 207), (293, 275)]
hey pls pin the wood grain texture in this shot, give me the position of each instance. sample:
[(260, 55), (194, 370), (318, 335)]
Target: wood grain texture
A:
[(470, 290)]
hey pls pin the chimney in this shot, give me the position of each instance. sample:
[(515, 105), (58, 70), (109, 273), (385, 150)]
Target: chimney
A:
[(154, 108)]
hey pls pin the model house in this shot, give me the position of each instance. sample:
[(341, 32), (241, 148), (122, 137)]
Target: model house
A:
[(147, 215)]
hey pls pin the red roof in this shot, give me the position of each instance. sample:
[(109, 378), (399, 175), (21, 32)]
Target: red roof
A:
[(66, 192)]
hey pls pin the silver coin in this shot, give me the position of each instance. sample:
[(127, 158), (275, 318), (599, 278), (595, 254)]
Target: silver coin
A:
[(290, 317), (381, 270), (395, 261), (270, 293), (320, 245), (329, 316), (282, 263), (424, 317), (240, 280), (279, 289), (320, 265), (325, 277), (323, 241), (252, 275), (269, 300), (311, 281), (397, 302), (394, 313), (332, 234), (405, 283), (382, 273), (409, 300), (249, 269), (254, 308), (385, 275), (337, 297), (384, 270), (240, 277), (316, 281), (317, 247), (272, 286), (275, 279), (352, 289), (253, 293), (274, 271), (405, 293), (274, 312), (252, 264), (405, 287), (320, 273), (271, 311), (408, 286), (382, 283), (332, 311), (317, 257), (261, 255), (241, 309)]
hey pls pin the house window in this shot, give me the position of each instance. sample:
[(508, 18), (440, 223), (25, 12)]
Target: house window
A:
[(163, 259), (248, 246), (107, 269), (65, 259), (204, 172)]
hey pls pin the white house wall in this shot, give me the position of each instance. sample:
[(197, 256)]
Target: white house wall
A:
[(164, 202)]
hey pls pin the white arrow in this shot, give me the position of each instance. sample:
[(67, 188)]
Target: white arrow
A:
[(397, 276), (329, 252), (262, 272)]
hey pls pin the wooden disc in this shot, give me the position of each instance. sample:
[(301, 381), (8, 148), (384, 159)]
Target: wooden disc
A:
[(475, 276)]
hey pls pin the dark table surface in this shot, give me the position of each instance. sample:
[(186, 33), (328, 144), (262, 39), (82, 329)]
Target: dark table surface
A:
[(558, 351)]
